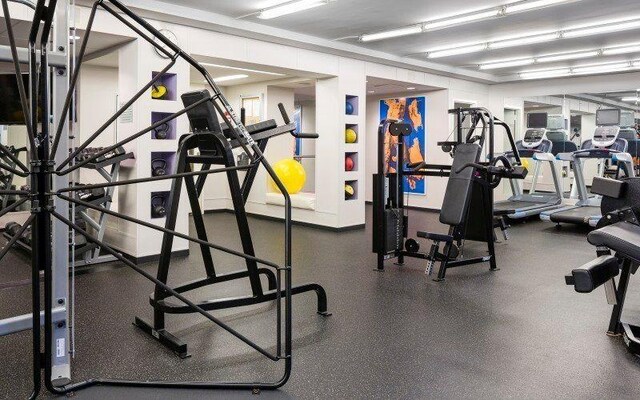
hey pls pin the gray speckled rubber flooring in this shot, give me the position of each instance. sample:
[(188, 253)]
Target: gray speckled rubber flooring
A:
[(516, 333)]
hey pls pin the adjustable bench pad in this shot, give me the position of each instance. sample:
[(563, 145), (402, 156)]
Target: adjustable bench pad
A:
[(622, 237), (595, 273)]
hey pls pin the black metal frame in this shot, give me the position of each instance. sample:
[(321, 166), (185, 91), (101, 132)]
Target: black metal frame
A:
[(478, 228), (42, 168)]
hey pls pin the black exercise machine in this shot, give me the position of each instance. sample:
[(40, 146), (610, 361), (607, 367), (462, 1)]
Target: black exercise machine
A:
[(468, 203), (617, 239), (214, 145)]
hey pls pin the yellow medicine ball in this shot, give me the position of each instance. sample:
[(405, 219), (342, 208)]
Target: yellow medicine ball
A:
[(292, 175), (350, 136)]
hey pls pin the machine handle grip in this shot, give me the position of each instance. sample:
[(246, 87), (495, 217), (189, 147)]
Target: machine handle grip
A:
[(284, 114)]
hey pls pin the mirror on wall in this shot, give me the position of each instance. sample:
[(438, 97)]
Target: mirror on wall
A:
[(13, 135), (571, 120)]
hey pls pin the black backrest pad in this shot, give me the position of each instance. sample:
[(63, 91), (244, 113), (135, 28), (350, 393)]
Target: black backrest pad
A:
[(630, 197), (457, 195), (202, 118)]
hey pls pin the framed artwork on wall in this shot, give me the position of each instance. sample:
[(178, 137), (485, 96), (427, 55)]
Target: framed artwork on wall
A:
[(412, 111)]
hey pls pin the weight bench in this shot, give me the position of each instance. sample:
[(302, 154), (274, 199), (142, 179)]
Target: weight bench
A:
[(622, 238)]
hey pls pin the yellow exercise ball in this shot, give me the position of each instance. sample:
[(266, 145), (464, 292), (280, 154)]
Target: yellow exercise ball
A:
[(350, 136), (292, 175)]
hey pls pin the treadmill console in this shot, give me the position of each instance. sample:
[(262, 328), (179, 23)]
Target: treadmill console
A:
[(605, 136), (533, 138)]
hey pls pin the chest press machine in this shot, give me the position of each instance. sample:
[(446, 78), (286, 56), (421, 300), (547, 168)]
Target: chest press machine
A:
[(468, 202)]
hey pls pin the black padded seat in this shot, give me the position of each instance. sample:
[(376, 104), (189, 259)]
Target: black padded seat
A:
[(623, 238)]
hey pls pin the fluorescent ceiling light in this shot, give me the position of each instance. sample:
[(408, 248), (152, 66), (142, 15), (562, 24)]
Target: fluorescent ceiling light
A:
[(411, 88), (458, 50), (446, 22), (465, 18), (631, 99), (600, 29), (600, 68), (501, 44), (621, 50), (537, 37), (290, 8), (530, 5), (242, 69), (230, 78), (567, 56), (410, 30), (507, 64), (545, 74), (76, 37), (581, 70)]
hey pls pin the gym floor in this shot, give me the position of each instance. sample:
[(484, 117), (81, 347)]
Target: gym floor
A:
[(515, 333)]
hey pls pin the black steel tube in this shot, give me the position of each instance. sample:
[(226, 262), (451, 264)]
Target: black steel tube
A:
[(15, 192), (131, 138), (13, 170), (165, 287), (115, 116), (153, 179), (13, 157), (139, 32), (165, 230), (74, 81), (13, 206)]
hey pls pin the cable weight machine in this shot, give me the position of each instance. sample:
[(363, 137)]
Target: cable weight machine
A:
[(468, 202)]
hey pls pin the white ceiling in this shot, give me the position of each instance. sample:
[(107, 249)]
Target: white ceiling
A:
[(351, 18)]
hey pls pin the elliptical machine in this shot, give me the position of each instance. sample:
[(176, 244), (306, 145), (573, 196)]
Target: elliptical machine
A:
[(468, 201)]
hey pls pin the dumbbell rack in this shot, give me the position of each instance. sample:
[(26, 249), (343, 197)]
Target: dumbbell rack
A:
[(89, 253), (109, 169)]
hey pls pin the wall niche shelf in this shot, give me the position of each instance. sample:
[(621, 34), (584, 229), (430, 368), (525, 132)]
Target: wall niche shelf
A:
[(170, 82), (169, 128)]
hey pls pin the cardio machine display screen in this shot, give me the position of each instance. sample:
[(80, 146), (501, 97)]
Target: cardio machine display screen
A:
[(537, 120), (608, 117)]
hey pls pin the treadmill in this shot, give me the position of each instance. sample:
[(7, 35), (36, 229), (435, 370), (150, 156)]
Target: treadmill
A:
[(605, 145), (522, 205)]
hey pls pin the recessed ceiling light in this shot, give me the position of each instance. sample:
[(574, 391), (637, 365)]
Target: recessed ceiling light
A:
[(230, 78), (411, 88), (76, 37), (290, 8), (242, 69), (371, 91)]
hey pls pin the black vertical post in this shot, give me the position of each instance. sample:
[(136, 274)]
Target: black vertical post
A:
[(621, 294), (167, 239), (400, 193), (198, 222)]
